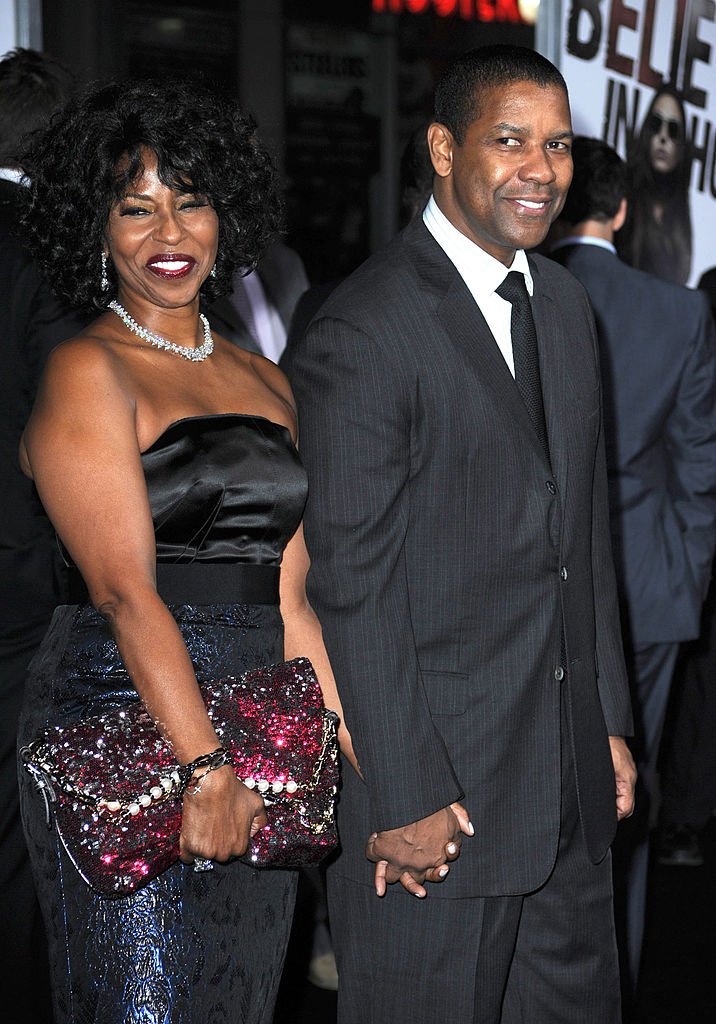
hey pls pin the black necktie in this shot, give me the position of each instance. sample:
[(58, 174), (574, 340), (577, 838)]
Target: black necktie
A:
[(524, 351)]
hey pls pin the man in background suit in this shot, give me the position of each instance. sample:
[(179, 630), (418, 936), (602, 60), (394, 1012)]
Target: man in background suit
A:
[(256, 314), (688, 766), (658, 358), (32, 322), (457, 523)]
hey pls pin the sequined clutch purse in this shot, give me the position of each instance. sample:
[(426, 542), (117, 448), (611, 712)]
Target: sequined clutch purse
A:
[(115, 785)]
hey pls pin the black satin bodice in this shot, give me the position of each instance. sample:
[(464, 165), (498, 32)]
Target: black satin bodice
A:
[(226, 494), (224, 488)]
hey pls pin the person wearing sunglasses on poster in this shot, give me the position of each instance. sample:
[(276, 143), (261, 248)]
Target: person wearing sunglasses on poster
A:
[(657, 235)]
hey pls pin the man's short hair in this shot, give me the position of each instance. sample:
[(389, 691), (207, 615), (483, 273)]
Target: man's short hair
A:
[(599, 183), (32, 87), (457, 95)]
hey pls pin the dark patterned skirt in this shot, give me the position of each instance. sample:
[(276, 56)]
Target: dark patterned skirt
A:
[(191, 948)]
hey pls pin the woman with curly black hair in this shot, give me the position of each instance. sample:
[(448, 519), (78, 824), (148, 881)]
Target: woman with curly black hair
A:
[(657, 234), (165, 458)]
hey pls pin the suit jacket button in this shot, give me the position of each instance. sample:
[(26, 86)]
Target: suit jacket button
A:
[(559, 673), (563, 572), (551, 487)]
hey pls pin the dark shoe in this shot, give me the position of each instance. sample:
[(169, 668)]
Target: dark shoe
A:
[(678, 847)]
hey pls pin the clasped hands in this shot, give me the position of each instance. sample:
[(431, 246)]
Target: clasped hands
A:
[(419, 852)]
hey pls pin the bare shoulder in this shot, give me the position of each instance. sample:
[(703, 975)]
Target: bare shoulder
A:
[(89, 356), (274, 377), (83, 387), (275, 391)]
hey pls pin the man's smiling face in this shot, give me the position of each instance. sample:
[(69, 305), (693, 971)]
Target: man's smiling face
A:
[(508, 179)]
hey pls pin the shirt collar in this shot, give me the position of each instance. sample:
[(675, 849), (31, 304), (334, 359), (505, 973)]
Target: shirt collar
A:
[(481, 272), (13, 174), (602, 243)]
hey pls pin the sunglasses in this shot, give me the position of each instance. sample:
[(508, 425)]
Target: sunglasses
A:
[(673, 128)]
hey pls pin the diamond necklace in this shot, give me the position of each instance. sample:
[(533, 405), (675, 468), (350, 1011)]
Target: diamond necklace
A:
[(194, 355)]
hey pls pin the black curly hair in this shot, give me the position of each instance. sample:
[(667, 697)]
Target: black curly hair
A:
[(91, 154)]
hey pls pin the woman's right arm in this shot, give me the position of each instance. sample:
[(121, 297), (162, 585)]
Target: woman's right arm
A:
[(81, 448)]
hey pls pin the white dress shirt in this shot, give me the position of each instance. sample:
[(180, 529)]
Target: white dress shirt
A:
[(267, 327), (13, 174), (481, 273)]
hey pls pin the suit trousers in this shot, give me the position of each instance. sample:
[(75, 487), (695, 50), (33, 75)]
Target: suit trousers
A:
[(547, 957), (651, 669), (688, 793)]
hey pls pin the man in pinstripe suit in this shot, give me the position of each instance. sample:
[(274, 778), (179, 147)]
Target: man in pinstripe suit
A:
[(462, 572)]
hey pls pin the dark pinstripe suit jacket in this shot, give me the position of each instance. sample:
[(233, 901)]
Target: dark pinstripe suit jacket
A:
[(437, 531)]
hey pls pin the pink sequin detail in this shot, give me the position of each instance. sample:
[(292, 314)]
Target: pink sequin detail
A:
[(275, 727)]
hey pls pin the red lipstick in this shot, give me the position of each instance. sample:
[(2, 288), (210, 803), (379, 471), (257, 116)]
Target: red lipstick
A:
[(170, 265)]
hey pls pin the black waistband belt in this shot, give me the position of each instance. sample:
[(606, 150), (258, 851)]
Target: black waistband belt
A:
[(204, 583)]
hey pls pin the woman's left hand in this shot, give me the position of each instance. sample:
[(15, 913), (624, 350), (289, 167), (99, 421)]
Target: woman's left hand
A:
[(218, 821)]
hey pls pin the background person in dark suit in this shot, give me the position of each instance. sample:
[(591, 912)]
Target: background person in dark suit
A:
[(462, 572), (688, 765), (256, 314), (658, 358), (32, 322)]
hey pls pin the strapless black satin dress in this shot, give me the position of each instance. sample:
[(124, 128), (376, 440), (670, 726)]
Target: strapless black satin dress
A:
[(226, 493)]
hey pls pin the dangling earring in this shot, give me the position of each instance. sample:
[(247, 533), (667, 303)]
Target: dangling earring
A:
[(212, 272), (104, 280)]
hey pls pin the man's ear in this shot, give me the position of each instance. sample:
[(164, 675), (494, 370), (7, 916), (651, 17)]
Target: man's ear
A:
[(620, 216), (441, 145)]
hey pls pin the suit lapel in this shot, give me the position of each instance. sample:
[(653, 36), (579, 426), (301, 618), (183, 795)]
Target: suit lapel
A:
[(552, 341), (467, 329), (229, 323)]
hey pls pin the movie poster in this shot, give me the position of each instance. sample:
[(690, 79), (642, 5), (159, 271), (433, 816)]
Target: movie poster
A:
[(642, 76)]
